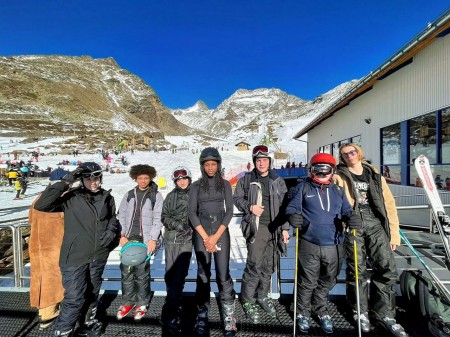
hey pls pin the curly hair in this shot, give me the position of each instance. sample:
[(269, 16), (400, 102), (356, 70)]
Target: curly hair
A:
[(140, 169)]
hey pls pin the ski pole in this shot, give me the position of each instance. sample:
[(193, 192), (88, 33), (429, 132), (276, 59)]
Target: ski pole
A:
[(442, 289), (358, 305), (295, 280)]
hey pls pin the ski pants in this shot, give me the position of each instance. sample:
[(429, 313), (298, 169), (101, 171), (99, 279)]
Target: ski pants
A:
[(178, 258), (372, 242), (211, 223), (318, 268), (81, 288), (136, 284), (259, 267)]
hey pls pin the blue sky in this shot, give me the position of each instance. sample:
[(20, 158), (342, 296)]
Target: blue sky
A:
[(207, 49)]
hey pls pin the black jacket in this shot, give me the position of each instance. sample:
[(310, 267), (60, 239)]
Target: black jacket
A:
[(244, 196), (89, 235), (175, 217)]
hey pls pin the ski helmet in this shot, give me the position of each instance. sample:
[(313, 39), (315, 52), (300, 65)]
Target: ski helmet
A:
[(261, 151), (90, 169), (181, 172), (323, 158), (210, 153), (133, 253), (322, 168)]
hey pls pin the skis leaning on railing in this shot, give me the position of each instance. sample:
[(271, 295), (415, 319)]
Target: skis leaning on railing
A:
[(442, 220)]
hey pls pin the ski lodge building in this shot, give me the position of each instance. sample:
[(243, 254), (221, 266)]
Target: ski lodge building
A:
[(396, 112)]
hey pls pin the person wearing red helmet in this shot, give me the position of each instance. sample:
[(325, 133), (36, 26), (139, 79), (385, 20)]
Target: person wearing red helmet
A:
[(318, 206)]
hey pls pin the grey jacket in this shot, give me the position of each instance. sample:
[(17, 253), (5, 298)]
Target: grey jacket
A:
[(150, 221), (245, 196)]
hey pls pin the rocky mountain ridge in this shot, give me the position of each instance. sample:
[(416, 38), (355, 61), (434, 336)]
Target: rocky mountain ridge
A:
[(50, 96), (64, 94)]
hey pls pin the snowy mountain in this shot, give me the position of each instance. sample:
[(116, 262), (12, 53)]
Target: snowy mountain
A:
[(58, 96), (250, 114)]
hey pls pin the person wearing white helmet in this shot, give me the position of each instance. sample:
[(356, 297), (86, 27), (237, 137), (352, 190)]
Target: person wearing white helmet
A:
[(318, 207), (260, 194), (177, 247)]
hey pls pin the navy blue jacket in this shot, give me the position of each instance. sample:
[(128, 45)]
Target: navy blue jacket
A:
[(322, 208)]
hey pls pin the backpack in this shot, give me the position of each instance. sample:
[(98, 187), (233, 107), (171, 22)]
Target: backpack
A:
[(424, 296)]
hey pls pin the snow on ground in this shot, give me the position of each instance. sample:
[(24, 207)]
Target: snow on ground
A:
[(232, 160)]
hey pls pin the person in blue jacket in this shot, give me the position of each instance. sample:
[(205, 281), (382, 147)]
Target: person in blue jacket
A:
[(318, 206)]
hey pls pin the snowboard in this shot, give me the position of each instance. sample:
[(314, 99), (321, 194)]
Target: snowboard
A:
[(442, 220)]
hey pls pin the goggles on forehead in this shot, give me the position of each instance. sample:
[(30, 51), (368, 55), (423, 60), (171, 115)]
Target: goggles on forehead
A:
[(92, 174), (260, 149), (322, 169), (179, 174)]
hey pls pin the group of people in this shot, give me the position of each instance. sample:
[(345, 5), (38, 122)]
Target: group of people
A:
[(17, 177), (336, 206)]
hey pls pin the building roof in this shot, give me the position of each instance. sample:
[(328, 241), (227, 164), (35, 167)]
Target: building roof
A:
[(401, 58), (242, 143)]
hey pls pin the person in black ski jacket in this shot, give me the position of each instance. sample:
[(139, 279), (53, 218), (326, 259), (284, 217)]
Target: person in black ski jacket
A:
[(377, 239), (91, 232), (210, 212), (177, 247), (260, 194)]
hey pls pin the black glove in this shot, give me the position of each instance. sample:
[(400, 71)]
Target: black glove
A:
[(77, 173), (295, 220), (107, 238), (68, 178), (354, 221)]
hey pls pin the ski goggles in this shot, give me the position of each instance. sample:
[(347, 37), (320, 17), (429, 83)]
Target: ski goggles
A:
[(260, 150), (180, 174), (322, 169), (94, 174)]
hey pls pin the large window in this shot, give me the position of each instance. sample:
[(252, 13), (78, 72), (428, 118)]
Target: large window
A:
[(445, 139), (391, 145), (422, 132)]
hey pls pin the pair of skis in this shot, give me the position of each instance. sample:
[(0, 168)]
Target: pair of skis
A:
[(441, 218)]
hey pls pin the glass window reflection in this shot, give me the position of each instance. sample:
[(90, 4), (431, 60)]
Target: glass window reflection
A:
[(423, 137)]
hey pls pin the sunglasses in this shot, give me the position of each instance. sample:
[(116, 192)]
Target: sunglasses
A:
[(180, 174), (349, 154), (260, 149), (92, 174), (322, 169)]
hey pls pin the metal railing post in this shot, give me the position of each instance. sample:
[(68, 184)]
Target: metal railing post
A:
[(15, 256), (19, 248)]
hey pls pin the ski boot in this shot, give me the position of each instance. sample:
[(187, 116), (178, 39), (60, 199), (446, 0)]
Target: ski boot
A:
[(201, 325), (92, 328), (59, 333), (173, 326), (445, 222), (229, 320)]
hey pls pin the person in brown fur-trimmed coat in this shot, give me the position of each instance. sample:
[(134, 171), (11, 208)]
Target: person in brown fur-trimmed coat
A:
[(46, 290)]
